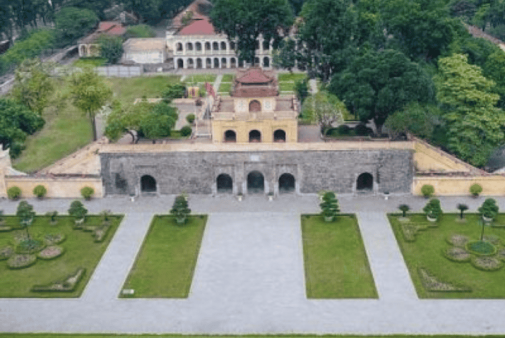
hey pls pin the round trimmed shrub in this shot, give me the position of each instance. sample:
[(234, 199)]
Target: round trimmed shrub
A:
[(87, 193), (186, 131), (40, 191), (6, 252), (344, 129), (475, 190), (362, 130), (191, 118), (29, 246), (480, 248), (427, 190), (51, 252), (457, 254), (14, 193), (486, 263), (458, 240), (21, 261)]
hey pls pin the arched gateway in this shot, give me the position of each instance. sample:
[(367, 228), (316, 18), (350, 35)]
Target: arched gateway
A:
[(255, 183)]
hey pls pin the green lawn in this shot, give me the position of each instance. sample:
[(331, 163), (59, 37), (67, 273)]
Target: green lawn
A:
[(336, 265), (427, 252), (292, 77), (165, 265), (228, 78), (80, 251), (196, 78), (286, 86), (127, 90), (93, 62), (224, 88)]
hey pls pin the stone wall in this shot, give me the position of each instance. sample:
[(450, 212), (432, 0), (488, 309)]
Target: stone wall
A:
[(57, 186), (196, 171)]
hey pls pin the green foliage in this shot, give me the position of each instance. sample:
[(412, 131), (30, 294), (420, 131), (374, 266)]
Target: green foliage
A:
[(32, 46), (73, 23), (52, 215), (180, 209), (186, 18), (89, 93), (33, 85), (111, 48), (174, 91), (302, 89), (87, 192), (462, 208), (186, 131), (325, 109), (489, 208), (427, 190), (14, 193), (190, 118), (494, 69), (140, 31), (159, 121), (474, 121), (404, 208), (415, 118), (77, 210), (433, 208), (379, 83), (475, 189), (26, 214), (40, 191), (329, 206), (245, 20)]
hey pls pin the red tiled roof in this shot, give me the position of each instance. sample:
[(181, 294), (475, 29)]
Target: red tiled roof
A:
[(198, 27), (254, 75), (111, 28)]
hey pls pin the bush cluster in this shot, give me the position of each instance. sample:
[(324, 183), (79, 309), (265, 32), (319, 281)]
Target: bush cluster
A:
[(14, 193), (186, 131)]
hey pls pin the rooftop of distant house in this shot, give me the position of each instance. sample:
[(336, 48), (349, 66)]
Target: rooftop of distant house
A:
[(145, 44), (110, 28)]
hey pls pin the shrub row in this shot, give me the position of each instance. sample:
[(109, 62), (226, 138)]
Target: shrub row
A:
[(428, 190), (15, 193), (68, 284)]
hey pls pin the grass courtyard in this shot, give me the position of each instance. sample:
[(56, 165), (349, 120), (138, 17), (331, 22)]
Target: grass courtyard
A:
[(336, 265), (425, 245), (129, 89), (165, 265), (80, 251)]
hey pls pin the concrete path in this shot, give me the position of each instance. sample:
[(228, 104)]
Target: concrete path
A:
[(217, 83)]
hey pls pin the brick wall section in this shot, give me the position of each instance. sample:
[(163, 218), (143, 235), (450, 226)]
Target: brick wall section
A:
[(196, 172)]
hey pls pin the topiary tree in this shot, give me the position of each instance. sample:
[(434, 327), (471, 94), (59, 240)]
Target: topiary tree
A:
[(52, 215), (14, 193), (427, 190), (40, 191), (78, 211), (462, 208), (105, 215), (475, 190), (174, 91), (433, 209), (87, 192), (329, 207), (26, 214), (404, 208), (489, 209), (180, 209), (190, 118), (186, 131)]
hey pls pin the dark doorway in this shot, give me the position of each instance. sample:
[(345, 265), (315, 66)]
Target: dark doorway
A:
[(279, 136), (255, 183), (216, 63), (180, 63), (266, 62), (286, 183), (254, 136), (365, 182), (254, 106), (230, 136), (147, 184), (224, 184)]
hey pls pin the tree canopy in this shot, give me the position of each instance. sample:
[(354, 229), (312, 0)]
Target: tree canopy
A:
[(325, 109), (245, 21), (73, 23)]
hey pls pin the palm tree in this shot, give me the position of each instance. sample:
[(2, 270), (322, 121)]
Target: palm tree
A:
[(404, 208), (462, 208)]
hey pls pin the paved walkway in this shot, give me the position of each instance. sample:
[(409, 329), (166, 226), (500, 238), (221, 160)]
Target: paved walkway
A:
[(249, 277)]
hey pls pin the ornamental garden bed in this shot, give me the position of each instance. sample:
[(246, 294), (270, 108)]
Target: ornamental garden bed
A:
[(446, 259), (55, 254), (166, 262), (336, 264)]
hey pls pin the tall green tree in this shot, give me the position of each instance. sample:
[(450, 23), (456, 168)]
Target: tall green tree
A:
[(475, 123), (111, 48), (494, 69), (73, 23), (246, 20), (379, 83), (324, 109), (33, 85), (97, 6), (89, 93)]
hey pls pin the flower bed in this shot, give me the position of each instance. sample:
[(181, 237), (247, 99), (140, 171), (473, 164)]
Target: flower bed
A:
[(21, 261), (66, 285), (29, 246), (6, 252), (51, 252), (54, 239), (486, 263), (457, 254)]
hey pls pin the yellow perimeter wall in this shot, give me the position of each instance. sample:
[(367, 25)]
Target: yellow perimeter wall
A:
[(428, 158), (460, 186), (56, 187)]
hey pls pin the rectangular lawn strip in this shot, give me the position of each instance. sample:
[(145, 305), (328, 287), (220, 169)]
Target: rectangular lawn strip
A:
[(286, 86), (224, 88), (336, 265), (200, 78), (228, 78), (165, 265), (129, 89), (81, 251), (291, 77), (427, 252)]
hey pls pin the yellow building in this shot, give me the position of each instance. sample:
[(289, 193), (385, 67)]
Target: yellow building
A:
[(255, 112)]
